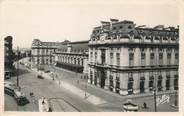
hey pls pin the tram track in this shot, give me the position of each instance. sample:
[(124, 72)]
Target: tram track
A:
[(65, 101)]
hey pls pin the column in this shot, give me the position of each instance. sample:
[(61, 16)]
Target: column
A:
[(146, 82), (136, 83), (123, 83), (163, 80)]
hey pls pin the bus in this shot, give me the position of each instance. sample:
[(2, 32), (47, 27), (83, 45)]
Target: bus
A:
[(20, 98), (9, 88)]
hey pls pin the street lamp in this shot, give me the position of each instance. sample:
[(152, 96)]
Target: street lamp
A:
[(17, 66), (85, 86), (176, 99)]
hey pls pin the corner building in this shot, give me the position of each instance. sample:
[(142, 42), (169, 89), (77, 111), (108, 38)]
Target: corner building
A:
[(9, 57), (129, 59), (42, 53)]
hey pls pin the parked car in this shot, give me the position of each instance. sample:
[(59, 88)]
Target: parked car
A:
[(7, 76), (130, 107)]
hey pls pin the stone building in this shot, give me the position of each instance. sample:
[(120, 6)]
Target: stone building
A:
[(42, 53), (129, 59), (8, 57), (73, 56)]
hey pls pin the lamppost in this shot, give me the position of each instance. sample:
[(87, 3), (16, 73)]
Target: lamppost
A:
[(176, 99), (85, 77), (155, 85), (17, 66)]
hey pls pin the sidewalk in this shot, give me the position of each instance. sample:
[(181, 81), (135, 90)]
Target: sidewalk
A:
[(90, 88)]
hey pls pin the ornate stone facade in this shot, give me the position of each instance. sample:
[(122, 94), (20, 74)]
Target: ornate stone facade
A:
[(73, 56), (127, 59)]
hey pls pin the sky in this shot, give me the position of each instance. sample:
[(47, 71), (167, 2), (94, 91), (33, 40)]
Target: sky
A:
[(56, 20)]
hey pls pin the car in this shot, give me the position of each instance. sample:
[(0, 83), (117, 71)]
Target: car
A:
[(7, 76), (47, 71), (40, 77)]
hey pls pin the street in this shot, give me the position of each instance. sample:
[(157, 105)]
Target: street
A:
[(47, 88), (69, 93)]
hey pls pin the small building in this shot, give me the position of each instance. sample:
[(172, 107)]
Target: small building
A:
[(42, 53)]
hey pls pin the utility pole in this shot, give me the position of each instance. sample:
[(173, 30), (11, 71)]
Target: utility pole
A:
[(17, 66), (155, 88), (155, 98)]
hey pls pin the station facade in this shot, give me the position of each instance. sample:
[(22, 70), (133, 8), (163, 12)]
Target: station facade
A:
[(129, 59)]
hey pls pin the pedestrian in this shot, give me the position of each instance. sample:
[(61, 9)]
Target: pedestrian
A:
[(145, 105), (50, 109), (43, 100), (31, 94), (19, 88)]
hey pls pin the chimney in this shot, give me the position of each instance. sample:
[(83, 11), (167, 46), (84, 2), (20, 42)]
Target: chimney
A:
[(105, 23), (114, 20)]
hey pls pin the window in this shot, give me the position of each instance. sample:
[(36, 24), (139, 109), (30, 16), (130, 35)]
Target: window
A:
[(160, 58), (151, 81), (176, 58), (111, 58), (95, 56), (152, 57), (129, 27), (74, 60), (143, 57), (167, 80), (114, 28), (168, 58), (175, 82), (95, 79), (114, 36), (121, 27), (142, 80), (130, 83), (82, 61), (91, 77), (111, 84), (118, 58), (117, 84), (159, 83), (103, 56), (91, 54), (131, 59), (78, 61)]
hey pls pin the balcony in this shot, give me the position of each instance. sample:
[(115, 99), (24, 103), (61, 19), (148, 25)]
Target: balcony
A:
[(134, 68)]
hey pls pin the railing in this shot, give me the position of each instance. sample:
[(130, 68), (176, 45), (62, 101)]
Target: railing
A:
[(141, 41), (133, 67)]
